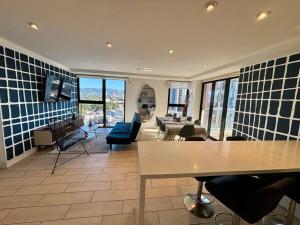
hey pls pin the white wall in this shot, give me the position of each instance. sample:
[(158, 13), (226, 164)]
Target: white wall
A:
[(133, 91)]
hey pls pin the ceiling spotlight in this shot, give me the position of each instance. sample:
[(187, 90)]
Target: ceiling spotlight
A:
[(108, 44), (210, 6), (144, 69), (171, 51), (34, 26), (262, 15), (205, 65)]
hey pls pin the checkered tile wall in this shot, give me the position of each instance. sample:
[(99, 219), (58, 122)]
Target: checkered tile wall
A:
[(21, 99), (268, 100)]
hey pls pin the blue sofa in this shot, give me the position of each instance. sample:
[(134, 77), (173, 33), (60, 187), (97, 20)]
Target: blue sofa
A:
[(124, 133)]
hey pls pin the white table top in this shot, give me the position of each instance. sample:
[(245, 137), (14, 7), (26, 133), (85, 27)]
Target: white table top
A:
[(209, 158), (179, 126)]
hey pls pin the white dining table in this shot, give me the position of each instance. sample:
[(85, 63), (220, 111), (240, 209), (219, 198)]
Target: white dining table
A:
[(212, 158), (173, 128)]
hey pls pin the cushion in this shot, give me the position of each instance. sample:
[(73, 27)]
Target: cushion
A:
[(118, 139), (125, 126), (119, 131)]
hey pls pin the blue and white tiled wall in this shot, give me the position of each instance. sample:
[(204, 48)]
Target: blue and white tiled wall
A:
[(21, 99), (268, 100)]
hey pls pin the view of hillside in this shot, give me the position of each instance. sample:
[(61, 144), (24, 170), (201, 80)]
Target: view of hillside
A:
[(114, 103)]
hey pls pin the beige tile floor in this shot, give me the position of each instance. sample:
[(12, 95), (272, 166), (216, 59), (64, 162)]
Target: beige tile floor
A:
[(99, 189)]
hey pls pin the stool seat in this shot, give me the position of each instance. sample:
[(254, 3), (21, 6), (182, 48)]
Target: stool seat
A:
[(294, 192), (249, 197)]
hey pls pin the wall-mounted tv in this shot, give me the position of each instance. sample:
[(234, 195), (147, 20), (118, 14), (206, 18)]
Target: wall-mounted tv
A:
[(57, 89), (66, 89), (52, 88)]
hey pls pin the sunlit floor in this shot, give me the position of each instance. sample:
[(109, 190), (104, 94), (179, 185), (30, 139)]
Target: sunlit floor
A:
[(95, 189)]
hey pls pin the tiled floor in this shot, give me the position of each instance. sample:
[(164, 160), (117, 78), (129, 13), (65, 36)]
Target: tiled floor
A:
[(97, 189)]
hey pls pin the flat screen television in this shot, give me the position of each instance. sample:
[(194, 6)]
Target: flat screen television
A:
[(52, 88), (66, 89)]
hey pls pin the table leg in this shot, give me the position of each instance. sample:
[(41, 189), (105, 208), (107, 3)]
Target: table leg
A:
[(141, 210)]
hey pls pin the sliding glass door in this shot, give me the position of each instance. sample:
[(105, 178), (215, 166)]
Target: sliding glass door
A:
[(101, 101), (216, 119), (206, 99), (233, 88), (218, 107)]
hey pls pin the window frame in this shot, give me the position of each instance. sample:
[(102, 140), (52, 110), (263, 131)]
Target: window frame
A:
[(103, 101), (175, 105), (225, 105)]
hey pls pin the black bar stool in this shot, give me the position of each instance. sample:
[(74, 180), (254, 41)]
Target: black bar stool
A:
[(197, 203), (248, 197), (294, 196)]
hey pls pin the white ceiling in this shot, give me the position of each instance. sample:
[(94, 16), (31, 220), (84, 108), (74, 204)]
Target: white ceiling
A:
[(74, 33)]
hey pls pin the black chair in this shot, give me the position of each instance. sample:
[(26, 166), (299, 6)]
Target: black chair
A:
[(161, 128), (235, 138), (196, 203), (195, 138), (250, 198), (197, 122), (66, 136), (189, 118), (187, 130), (169, 115)]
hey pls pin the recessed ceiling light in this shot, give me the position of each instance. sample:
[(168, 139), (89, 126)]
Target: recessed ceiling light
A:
[(145, 69), (108, 44), (210, 6), (205, 65), (298, 26), (171, 51), (34, 26), (262, 15)]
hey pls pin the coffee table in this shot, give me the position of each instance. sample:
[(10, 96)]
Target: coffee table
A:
[(91, 129)]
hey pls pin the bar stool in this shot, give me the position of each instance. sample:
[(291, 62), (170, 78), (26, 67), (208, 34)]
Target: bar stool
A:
[(250, 198), (161, 128), (196, 203), (294, 196)]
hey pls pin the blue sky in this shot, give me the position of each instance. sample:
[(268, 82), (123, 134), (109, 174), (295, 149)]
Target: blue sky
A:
[(97, 83)]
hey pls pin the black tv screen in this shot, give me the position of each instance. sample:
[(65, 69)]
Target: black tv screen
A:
[(52, 86), (66, 89)]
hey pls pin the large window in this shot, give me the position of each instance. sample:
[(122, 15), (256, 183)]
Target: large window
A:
[(218, 107), (101, 101), (177, 102), (115, 101)]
